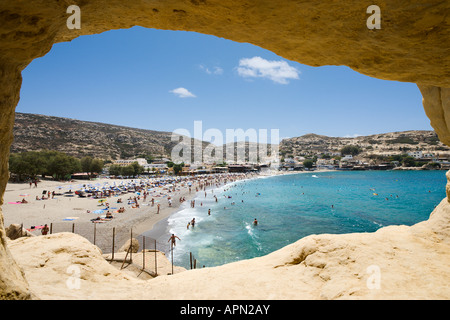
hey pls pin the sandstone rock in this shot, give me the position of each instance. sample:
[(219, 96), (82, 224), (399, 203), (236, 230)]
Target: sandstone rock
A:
[(396, 262), (412, 45), (134, 243), (15, 231)]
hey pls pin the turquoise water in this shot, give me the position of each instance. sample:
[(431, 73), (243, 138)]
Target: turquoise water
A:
[(290, 207)]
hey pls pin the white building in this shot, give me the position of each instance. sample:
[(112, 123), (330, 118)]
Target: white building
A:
[(416, 154), (124, 163), (347, 157), (155, 165)]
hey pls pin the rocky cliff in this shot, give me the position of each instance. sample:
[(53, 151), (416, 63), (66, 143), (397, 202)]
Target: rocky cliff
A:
[(412, 45)]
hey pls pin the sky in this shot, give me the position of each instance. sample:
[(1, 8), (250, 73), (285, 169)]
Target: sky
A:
[(166, 80)]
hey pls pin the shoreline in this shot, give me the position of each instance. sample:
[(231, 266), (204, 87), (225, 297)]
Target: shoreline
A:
[(159, 230), (66, 211)]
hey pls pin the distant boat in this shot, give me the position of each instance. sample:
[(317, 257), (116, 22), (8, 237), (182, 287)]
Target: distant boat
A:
[(314, 176)]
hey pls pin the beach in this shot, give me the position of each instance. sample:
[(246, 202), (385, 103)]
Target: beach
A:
[(66, 211), (295, 271)]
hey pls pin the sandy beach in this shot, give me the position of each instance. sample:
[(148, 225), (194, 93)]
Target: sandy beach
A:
[(326, 266), (66, 211)]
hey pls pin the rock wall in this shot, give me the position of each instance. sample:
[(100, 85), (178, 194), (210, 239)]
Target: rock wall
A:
[(412, 45)]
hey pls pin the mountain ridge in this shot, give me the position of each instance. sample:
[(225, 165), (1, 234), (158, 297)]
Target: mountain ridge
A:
[(33, 132)]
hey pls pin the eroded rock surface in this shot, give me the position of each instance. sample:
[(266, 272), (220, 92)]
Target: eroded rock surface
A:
[(412, 45)]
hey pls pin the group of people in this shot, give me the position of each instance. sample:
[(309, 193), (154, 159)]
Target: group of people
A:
[(191, 223), (142, 190)]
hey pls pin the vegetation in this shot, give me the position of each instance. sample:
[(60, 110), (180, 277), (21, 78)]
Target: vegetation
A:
[(308, 163), (402, 140), (90, 165), (131, 170), (28, 165), (353, 150), (177, 167)]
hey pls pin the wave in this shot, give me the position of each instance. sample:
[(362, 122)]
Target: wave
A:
[(254, 237)]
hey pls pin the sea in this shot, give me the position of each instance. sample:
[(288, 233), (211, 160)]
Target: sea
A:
[(292, 206)]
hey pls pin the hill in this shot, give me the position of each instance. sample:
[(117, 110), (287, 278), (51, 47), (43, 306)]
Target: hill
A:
[(378, 144), (83, 138), (106, 141)]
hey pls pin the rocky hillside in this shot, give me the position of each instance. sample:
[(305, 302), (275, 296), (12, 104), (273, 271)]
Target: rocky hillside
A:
[(82, 138), (385, 143), (106, 141)]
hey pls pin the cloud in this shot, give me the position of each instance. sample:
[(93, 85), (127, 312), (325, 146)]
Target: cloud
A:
[(214, 70), (277, 71), (183, 93), (355, 135)]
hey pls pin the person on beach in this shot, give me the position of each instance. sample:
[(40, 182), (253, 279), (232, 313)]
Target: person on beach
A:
[(172, 238), (158, 208), (193, 222), (255, 222), (209, 212), (44, 230)]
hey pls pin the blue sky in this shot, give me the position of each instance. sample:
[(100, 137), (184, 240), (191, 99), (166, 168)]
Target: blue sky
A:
[(164, 80)]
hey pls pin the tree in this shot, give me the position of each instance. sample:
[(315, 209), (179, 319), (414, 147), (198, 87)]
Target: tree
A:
[(61, 166), (128, 170), (115, 170), (90, 165), (30, 164), (137, 169), (96, 166), (177, 168), (353, 150), (308, 163), (18, 166), (86, 163), (409, 162)]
